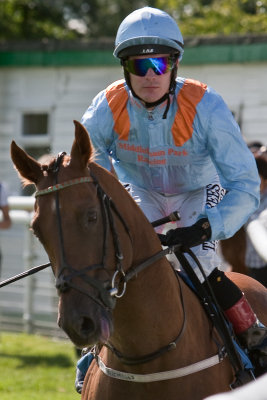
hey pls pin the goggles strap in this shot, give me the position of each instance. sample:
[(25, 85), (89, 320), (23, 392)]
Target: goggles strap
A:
[(166, 96), (154, 103)]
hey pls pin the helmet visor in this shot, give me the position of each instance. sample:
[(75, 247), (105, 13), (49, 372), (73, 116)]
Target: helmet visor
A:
[(140, 66)]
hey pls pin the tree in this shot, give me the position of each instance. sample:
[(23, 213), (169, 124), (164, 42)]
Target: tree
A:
[(102, 17), (32, 19), (62, 19), (68, 19), (218, 17)]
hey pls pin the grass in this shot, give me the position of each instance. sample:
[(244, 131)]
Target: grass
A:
[(36, 368)]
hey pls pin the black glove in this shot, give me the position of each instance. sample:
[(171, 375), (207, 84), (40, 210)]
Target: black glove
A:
[(190, 236)]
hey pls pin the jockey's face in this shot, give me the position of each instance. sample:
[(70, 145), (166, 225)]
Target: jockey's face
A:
[(150, 87)]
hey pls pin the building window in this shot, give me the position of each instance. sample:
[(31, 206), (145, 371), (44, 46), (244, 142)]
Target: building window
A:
[(35, 124)]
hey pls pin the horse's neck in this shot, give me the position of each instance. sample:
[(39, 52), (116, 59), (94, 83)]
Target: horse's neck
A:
[(151, 302), (152, 298)]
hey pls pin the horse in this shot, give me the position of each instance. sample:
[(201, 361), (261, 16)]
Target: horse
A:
[(233, 251), (153, 338)]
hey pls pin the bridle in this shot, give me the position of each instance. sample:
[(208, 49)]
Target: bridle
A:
[(108, 291), (64, 281), (120, 278)]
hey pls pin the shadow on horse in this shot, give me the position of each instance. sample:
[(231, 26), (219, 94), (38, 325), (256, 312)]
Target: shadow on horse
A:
[(147, 323)]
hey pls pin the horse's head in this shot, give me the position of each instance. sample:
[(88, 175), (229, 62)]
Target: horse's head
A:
[(83, 234)]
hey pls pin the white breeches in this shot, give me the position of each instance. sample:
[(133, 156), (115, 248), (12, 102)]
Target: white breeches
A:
[(189, 205)]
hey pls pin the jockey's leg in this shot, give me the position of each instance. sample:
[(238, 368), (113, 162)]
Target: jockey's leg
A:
[(81, 369), (251, 333)]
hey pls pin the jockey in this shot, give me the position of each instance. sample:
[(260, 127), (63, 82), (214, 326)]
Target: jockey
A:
[(177, 145)]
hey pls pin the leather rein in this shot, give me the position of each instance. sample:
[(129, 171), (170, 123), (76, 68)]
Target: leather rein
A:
[(107, 292)]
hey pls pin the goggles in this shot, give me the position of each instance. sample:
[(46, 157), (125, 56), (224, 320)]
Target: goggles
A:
[(140, 66)]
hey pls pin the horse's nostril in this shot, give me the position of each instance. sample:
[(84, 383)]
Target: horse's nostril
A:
[(87, 325)]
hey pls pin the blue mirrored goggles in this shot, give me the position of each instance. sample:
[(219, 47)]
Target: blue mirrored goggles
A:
[(140, 66)]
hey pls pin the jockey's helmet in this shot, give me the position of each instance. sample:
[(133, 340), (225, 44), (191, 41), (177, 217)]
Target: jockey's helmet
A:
[(148, 31)]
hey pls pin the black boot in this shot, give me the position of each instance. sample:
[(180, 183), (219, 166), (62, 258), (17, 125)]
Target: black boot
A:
[(82, 366)]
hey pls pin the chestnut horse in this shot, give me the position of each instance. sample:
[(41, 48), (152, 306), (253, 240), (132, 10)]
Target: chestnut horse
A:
[(233, 251), (154, 339)]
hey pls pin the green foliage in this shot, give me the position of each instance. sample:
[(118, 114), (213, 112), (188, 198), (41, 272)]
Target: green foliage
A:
[(104, 16), (36, 368), (33, 19), (218, 17), (62, 19), (68, 19)]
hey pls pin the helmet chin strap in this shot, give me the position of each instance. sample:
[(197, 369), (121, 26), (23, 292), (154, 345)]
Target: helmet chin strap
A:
[(147, 104)]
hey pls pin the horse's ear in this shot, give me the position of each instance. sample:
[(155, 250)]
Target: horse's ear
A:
[(82, 149), (27, 167)]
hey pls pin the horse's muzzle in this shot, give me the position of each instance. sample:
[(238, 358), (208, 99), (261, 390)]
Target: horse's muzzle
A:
[(85, 328)]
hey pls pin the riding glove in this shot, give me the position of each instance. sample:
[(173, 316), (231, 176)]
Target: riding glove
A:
[(189, 236)]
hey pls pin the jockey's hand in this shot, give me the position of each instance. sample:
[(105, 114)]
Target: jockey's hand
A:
[(189, 236)]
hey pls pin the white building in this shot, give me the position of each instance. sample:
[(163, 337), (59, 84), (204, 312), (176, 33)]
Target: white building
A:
[(44, 86)]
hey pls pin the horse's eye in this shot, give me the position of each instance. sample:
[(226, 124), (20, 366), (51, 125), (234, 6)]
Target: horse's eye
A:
[(91, 216)]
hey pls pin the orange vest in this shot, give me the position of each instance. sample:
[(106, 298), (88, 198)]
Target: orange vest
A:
[(182, 128)]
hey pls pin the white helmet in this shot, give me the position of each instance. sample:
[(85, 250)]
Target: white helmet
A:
[(148, 31)]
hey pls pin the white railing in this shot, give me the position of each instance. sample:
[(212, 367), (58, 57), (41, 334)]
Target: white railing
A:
[(24, 203), (31, 303)]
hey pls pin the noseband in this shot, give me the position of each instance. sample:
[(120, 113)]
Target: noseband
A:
[(108, 291)]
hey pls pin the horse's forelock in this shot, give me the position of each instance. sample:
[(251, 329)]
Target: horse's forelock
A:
[(46, 160)]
